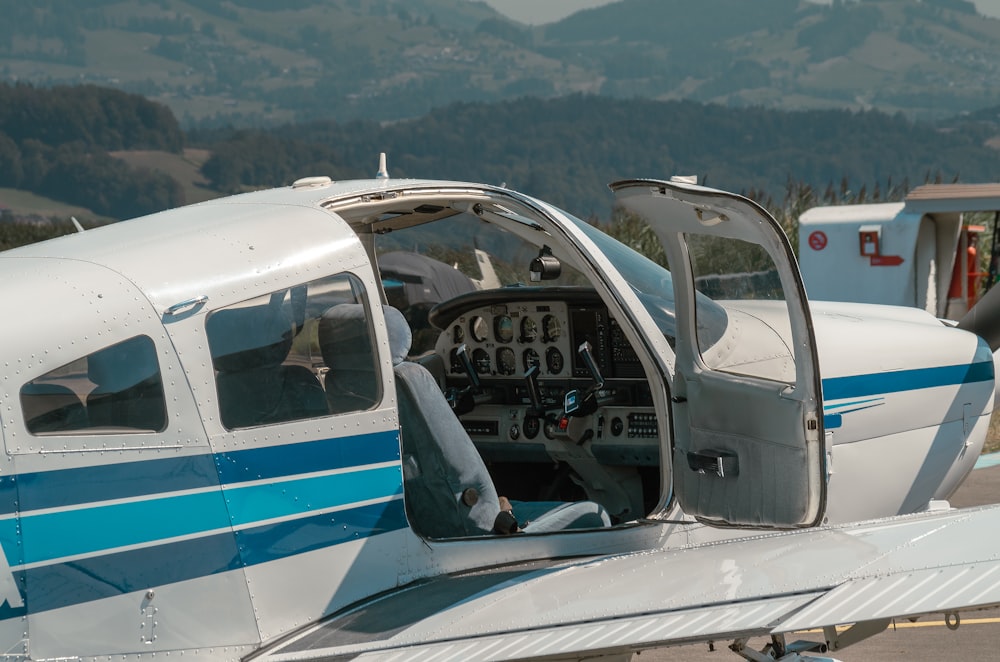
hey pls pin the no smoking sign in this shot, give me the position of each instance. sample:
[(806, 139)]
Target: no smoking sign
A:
[(817, 240)]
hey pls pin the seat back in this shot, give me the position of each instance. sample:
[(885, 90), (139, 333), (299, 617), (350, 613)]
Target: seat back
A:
[(346, 345), (448, 490), (248, 347)]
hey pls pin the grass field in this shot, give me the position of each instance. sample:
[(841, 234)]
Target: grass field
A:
[(182, 167), (23, 202)]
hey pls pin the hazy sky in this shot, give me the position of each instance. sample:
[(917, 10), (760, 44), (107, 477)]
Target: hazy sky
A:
[(537, 12)]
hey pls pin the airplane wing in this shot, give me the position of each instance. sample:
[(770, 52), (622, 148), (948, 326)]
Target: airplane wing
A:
[(772, 583)]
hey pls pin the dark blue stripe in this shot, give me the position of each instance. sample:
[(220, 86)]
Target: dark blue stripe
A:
[(832, 421), (906, 380), (76, 582), (103, 482), (321, 455), (8, 495), (278, 541), (126, 480)]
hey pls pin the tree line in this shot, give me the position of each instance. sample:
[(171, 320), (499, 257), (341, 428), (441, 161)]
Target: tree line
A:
[(56, 142), (566, 150)]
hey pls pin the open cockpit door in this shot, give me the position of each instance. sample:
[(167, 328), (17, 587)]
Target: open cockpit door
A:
[(748, 438)]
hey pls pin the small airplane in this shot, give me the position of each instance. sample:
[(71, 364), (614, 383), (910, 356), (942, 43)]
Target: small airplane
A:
[(407, 419)]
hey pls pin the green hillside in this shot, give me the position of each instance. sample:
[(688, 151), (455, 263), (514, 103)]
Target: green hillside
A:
[(256, 62), (184, 168), (20, 204)]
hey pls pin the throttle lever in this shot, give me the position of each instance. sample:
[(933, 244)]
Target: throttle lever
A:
[(586, 352), (534, 392), (463, 357)]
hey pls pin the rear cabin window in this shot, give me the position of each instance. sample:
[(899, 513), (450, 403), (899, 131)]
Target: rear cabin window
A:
[(295, 354), (117, 390)]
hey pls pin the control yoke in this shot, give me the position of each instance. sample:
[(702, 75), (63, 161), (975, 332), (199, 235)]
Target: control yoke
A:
[(534, 393), (575, 404), (470, 369), (463, 401)]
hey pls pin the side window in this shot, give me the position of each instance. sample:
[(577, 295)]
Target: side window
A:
[(294, 354), (116, 390), (742, 279)]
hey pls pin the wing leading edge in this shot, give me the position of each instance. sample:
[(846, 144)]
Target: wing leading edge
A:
[(770, 584)]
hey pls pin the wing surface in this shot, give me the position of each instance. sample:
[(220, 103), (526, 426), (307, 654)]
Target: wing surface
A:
[(772, 583)]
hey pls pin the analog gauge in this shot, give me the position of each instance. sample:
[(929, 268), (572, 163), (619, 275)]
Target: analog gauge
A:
[(531, 358), (550, 328), (481, 360), (532, 426), (479, 329), (458, 334), (554, 360), (529, 329), (503, 327), (506, 361)]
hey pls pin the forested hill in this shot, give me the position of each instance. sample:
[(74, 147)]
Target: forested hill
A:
[(257, 62), (567, 150), (58, 143)]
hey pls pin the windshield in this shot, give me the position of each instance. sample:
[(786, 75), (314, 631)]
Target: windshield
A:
[(653, 285)]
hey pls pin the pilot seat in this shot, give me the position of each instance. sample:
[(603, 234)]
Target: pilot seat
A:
[(447, 488)]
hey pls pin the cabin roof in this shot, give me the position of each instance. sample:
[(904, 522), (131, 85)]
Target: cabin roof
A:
[(228, 248)]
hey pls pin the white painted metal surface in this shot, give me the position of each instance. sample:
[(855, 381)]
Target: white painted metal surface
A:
[(207, 539)]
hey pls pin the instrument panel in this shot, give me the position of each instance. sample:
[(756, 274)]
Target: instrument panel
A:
[(522, 427), (507, 339), (504, 339)]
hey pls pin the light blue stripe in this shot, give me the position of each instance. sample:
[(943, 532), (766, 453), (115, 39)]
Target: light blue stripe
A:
[(851, 403), (988, 460), (85, 531), (9, 541), (257, 503)]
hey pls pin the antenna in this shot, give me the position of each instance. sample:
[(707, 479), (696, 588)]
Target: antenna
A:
[(76, 224), (383, 172)]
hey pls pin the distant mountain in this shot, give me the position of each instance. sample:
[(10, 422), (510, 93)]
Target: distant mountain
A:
[(256, 62)]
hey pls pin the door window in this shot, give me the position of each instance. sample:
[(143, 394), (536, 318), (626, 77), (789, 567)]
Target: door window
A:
[(742, 278), (295, 354)]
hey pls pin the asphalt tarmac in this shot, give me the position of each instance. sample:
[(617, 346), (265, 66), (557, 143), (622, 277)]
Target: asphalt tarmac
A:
[(977, 637)]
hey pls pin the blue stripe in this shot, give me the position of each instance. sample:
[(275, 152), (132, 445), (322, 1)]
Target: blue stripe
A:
[(146, 513), (278, 541), (988, 460), (128, 480), (75, 582), (313, 456), (106, 482), (55, 535), (88, 530), (899, 381), (263, 502), (852, 403), (71, 583)]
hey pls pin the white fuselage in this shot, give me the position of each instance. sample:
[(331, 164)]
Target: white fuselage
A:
[(209, 533)]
